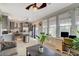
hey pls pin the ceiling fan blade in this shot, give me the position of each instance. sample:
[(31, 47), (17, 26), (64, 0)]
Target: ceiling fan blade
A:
[(28, 7), (42, 6), (34, 5)]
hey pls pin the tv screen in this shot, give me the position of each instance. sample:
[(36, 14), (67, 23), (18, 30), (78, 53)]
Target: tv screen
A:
[(72, 36), (5, 32), (64, 34)]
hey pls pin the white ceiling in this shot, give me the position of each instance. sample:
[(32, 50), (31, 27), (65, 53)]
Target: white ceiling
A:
[(18, 12)]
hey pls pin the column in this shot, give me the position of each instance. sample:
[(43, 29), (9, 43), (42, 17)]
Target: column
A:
[(57, 27), (34, 31), (48, 26), (40, 28)]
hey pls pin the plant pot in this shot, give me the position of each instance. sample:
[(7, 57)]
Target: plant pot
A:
[(41, 49)]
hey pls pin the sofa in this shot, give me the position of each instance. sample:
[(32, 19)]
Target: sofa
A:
[(7, 41)]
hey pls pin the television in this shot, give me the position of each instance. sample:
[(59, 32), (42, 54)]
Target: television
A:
[(5, 32), (72, 36), (64, 34)]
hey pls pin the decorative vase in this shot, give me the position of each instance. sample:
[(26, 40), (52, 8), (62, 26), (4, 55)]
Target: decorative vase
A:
[(41, 49)]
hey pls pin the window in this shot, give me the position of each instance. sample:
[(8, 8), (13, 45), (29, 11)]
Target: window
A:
[(52, 26), (65, 22), (37, 31), (77, 18), (44, 25)]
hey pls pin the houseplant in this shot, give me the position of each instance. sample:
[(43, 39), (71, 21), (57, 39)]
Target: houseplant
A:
[(42, 38), (76, 42)]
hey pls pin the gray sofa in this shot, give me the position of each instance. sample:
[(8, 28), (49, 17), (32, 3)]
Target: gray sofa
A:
[(7, 41), (8, 37)]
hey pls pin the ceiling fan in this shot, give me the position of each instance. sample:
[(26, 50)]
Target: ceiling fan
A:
[(34, 5)]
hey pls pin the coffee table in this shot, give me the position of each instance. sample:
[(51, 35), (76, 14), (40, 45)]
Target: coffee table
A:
[(33, 51)]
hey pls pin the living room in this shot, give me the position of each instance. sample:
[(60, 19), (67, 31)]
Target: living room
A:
[(22, 25)]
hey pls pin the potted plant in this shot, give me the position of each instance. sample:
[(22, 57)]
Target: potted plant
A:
[(42, 38), (76, 44)]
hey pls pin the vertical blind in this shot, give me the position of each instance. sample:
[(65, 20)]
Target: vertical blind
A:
[(52, 26), (65, 22), (44, 25), (77, 17)]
